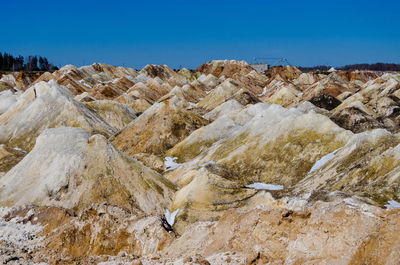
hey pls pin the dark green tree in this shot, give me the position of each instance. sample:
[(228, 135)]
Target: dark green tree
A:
[(46, 64), (6, 62), (35, 64), (1, 61), (43, 64), (19, 63), (12, 61), (28, 64)]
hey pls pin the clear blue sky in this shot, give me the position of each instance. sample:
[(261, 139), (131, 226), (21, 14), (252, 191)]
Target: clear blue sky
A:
[(189, 33)]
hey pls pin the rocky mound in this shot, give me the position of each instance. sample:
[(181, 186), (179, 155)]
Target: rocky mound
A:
[(225, 68), (345, 232), (71, 169), (102, 81), (116, 114), (220, 94), (237, 166), (366, 166), (46, 105), (376, 105), (161, 71), (17, 80), (259, 144), (159, 128)]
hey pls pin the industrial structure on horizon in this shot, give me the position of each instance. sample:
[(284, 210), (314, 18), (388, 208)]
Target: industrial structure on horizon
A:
[(264, 64)]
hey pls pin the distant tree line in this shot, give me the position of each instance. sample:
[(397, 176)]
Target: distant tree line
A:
[(364, 66), (314, 68), (372, 67), (32, 63)]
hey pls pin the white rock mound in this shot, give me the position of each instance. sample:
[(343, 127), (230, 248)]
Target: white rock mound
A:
[(69, 168), (47, 105), (7, 99)]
